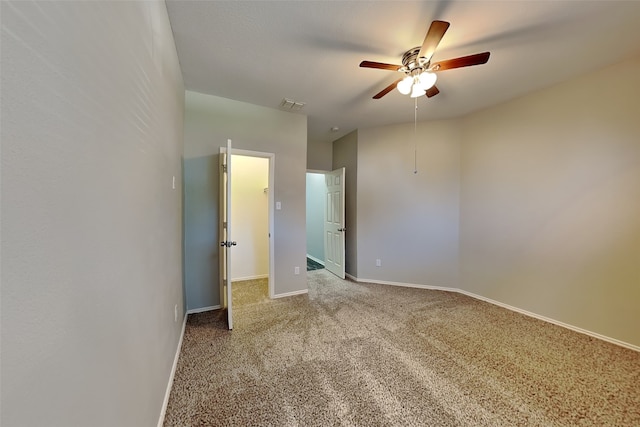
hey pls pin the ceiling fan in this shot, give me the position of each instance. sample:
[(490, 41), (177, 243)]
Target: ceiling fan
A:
[(419, 72)]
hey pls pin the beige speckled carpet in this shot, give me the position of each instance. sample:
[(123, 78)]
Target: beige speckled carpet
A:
[(354, 354)]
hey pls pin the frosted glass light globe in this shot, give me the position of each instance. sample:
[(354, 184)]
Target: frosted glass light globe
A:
[(427, 79), (417, 91), (404, 86)]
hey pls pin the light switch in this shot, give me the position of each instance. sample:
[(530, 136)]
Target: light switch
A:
[(278, 206)]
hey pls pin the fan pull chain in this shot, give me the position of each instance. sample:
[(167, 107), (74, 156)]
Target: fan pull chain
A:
[(415, 138)]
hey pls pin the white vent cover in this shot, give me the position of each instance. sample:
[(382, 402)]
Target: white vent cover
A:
[(290, 104)]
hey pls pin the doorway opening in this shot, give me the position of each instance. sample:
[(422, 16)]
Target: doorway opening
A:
[(251, 216), (326, 221), (316, 189)]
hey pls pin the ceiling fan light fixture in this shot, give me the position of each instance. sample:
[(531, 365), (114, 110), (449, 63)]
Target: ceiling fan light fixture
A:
[(404, 86), (417, 91), (427, 80), (420, 77)]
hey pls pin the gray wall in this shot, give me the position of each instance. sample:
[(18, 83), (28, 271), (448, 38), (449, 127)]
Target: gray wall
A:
[(201, 231), (319, 155), (409, 221), (345, 154), (209, 122), (551, 202), (316, 193), (91, 228)]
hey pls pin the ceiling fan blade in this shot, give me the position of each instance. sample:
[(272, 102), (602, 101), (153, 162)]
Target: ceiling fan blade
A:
[(433, 37), (380, 65), (386, 90), (432, 91), (463, 61)]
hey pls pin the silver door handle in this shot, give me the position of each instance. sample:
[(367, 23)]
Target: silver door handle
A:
[(342, 229), (228, 244)]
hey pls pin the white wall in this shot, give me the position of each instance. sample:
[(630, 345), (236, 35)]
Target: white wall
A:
[(92, 116), (409, 221), (550, 204), (316, 191), (250, 217), (209, 122)]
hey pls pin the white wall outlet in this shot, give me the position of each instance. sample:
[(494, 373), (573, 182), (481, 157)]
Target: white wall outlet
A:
[(378, 263), (296, 270), (175, 313), (278, 206)]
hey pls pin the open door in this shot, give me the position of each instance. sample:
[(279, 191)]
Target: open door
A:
[(224, 231), (334, 227)]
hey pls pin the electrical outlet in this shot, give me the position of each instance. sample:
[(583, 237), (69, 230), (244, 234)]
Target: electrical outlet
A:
[(378, 263), (175, 313), (296, 270)]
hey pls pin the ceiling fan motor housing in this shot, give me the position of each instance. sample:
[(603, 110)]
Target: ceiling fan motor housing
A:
[(412, 64)]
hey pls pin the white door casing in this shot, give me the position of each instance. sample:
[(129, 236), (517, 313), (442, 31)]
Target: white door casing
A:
[(334, 226)]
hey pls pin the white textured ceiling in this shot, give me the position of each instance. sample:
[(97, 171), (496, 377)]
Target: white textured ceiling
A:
[(309, 51)]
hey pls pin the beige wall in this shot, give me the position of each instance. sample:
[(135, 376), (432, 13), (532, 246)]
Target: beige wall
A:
[(250, 217), (534, 203), (550, 202), (92, 122), (409, 220)]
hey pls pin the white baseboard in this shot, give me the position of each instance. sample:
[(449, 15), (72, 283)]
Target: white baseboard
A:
[(312, 258), (167, 393), (290, 294), (503, 305), (203, 309), (406, 285), (259, 276), (553, 321)]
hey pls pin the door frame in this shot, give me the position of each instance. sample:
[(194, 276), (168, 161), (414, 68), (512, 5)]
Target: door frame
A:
[(271, 209)]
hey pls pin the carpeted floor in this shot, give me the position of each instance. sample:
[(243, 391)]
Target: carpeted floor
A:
[(249, 292), (354, 354)]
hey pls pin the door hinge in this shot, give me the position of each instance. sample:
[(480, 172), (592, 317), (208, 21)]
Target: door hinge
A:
[(224, 224), (224, 168)]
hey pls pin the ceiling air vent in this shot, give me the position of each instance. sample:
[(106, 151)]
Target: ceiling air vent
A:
[(290, 104)]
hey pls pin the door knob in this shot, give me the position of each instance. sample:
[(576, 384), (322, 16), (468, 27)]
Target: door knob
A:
[(342, 229)]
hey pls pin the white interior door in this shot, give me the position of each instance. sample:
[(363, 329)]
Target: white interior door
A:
[(224, 231), (334, 227)]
